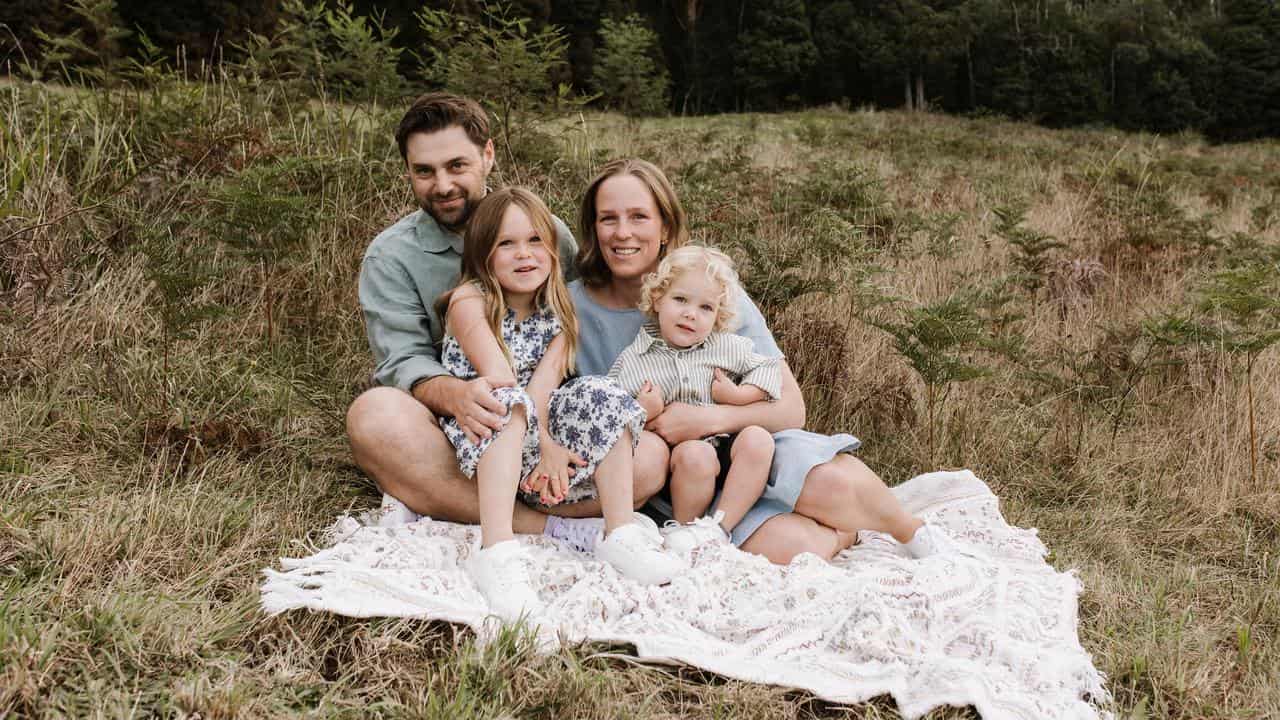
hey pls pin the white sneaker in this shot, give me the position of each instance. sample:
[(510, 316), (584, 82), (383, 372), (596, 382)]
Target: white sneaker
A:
[(683, 537), (395, 513), (930, 540), (501, 572), (583, 534), (635, 550)]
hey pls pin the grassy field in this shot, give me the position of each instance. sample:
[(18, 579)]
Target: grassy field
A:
[(180, 337)]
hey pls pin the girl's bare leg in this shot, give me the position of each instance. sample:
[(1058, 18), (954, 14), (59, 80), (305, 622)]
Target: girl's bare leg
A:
[(614, 484), (497, 475)]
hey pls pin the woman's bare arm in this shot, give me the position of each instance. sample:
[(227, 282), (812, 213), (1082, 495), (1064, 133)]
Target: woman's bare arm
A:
[(680, 422)]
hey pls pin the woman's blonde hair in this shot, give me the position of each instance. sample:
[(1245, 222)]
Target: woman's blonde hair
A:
[(481, 239), (716, 266), (591, 265)]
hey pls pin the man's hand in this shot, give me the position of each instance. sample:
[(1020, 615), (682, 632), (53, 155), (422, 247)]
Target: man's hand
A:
[(681, 421), (470, 402), (650, 398)]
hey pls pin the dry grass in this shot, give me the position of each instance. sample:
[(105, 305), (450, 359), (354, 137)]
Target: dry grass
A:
[(137, 504)]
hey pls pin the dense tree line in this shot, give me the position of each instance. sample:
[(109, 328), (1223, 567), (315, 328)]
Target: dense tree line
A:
[(1161, 65)]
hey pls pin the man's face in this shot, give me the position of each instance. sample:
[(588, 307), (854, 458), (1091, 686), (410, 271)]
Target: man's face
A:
[(447, 173)]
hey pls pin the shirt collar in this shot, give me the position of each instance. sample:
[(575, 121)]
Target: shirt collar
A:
[(433, 238), (650, 338)]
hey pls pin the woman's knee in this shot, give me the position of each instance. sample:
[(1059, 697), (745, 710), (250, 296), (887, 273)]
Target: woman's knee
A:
[(694, 458), (842, 479)]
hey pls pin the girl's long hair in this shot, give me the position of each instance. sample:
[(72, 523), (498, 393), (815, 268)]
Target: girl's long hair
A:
[(477, 251)]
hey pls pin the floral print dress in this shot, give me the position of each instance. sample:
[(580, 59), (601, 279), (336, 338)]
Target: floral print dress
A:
[(588, 414)]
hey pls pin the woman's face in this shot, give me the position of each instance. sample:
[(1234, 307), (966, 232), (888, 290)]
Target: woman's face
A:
[(629, 227)]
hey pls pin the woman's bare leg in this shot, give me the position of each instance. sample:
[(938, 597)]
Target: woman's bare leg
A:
[(844, 494), (784, 536)]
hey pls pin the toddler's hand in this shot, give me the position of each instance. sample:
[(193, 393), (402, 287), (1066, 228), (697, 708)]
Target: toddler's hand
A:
[(650, 398), (723, 390)]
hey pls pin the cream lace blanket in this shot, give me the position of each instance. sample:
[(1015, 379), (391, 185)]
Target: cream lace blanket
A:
[(994, 629)]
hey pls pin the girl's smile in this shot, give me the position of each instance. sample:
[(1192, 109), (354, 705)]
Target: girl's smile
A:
[(520, 260)]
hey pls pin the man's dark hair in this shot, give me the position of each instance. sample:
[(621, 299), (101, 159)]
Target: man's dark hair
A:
[(437, 111)]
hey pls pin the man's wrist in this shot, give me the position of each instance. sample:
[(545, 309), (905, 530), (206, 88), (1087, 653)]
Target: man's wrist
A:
[(428, 390)]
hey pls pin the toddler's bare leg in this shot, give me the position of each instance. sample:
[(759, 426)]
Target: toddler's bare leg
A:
[(749, 461), (497, 475), (694, 467)]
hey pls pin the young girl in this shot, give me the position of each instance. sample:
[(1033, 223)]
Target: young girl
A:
[(510, 319), (684, 354)]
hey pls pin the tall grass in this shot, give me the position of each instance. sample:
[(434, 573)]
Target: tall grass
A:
[(180, 337)]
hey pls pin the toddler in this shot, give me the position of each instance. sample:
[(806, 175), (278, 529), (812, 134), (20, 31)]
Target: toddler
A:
[(684, 354)]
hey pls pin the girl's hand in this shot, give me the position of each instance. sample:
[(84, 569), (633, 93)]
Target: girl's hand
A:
[(650, 398), (555, 468)]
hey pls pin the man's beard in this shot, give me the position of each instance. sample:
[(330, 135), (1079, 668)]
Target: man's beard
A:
[(455, 219)]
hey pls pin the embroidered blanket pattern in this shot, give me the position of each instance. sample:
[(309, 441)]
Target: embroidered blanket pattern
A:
[(994, 627)]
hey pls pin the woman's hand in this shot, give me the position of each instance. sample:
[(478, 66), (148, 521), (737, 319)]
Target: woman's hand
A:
[(550, 479), (681, 421)]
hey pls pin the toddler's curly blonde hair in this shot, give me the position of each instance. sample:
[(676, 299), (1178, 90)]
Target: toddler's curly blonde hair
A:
[(691, 258)]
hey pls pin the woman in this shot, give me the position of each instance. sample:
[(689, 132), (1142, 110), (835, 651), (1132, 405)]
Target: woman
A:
[(820, 495)]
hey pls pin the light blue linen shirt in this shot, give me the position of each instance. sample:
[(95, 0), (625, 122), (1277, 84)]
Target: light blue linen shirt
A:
[(405, 268)]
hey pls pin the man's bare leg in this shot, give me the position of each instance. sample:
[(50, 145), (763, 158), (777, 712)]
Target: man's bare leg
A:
[(397, 441)]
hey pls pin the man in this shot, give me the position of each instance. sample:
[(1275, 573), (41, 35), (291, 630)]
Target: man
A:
[(395, 437)]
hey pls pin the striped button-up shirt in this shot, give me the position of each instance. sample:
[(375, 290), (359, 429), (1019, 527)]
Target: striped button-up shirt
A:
[(685, 375)]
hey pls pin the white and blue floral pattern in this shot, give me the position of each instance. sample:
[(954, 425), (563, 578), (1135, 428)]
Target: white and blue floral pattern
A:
[(588, 414)]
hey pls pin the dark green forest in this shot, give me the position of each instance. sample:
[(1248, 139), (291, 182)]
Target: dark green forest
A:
[(1211, 66)]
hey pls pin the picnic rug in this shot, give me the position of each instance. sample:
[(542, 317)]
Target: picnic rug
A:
[(994, 627)]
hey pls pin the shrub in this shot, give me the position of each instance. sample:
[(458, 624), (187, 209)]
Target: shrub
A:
[(627, 74)]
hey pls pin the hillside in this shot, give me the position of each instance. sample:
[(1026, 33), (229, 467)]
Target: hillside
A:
[(180, 337)]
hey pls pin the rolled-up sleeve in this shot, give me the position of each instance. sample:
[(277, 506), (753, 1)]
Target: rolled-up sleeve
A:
[(398, 326), (765, 373)]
